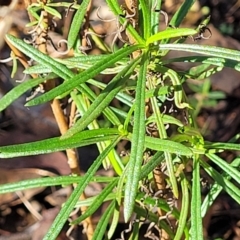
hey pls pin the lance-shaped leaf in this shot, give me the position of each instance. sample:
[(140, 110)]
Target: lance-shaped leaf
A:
[(56, 144), (135, 162)]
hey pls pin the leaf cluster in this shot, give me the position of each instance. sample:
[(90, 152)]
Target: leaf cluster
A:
[(141, 83)]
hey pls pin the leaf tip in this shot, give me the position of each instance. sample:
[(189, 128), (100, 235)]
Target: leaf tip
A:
[(31, 103), (126, 214), (128, 205)]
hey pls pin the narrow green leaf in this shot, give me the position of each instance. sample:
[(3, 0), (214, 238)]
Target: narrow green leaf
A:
[(135, 230), (114, 222), (167, 146), (89, 201), (222, 146), (124, 98), (103, 222), (196, 219), (52, 11), (155, 16), (40, 69), (216, 190), (60, 69), (226, 167), (159, 202), (80, 101), (33, 9), (77, 23), (227, 186), (217, 61), (47, 182), (154, 161), (146, 9), (20, 89), (182, 222), (92, 96), (135, 162), (206, 50), (74, 197), (118, 199), (37, 69), (87, 59), (31, 24), (85, 75), (56, 144), (168, 119), (181, 13), (114, 6), (170, 33), (103, 100), (97, 203)]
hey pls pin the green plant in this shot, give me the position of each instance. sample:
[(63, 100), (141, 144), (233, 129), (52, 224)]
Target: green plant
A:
[(139, 68)]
